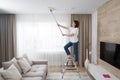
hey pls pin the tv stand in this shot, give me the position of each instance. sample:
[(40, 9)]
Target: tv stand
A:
[(99, 73)]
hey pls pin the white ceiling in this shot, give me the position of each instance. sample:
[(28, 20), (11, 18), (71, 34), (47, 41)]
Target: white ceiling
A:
[(41, 6)]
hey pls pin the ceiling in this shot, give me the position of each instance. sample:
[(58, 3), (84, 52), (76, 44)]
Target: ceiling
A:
[(41, 6)]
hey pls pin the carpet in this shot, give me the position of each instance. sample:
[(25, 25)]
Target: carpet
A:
[(68, 76)]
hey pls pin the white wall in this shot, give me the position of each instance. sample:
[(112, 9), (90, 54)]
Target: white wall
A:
[(94, 37)]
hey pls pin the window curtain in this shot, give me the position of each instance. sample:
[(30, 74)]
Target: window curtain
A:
[(7, 37), (85, 35), (39, 37)]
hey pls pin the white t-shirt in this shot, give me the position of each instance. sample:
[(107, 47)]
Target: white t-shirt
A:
[(74, 31)]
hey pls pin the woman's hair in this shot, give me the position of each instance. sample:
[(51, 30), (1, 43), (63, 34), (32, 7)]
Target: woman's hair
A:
[(76, 23)]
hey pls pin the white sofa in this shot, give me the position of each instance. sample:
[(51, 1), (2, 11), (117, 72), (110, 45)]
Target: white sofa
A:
[(38, 70)]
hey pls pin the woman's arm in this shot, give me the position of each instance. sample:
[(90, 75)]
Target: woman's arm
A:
[(68, 35), (63, 26)]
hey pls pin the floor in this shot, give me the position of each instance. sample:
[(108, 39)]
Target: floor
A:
[(59, 69)]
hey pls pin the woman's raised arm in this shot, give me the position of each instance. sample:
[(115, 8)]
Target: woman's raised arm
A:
[(63, 26)]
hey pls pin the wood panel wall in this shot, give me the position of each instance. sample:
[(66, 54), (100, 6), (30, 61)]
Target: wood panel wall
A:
[(109, 29)]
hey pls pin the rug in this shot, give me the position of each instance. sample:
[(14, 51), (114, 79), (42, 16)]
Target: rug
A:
[(68, 76)]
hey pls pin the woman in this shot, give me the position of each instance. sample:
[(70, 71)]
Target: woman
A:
[(73, 35)]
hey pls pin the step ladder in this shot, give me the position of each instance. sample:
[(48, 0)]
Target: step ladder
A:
[(66, 66)]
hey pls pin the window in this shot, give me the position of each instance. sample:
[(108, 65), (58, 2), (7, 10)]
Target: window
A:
[(39, 33)]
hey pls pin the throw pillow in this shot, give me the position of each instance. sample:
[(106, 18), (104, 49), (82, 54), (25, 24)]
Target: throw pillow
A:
[(25, 66), (29, 61), (11, 73), (7, 64), (16, 64)]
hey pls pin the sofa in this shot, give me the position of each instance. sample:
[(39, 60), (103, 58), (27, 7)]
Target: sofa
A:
[(24, 69)]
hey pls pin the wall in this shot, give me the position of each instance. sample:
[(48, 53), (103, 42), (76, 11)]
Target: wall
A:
[(94, 37), (109, 29)]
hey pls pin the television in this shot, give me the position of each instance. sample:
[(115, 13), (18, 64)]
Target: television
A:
[(110, 53)]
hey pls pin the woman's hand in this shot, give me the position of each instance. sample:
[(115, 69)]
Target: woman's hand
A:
[(62, 26)]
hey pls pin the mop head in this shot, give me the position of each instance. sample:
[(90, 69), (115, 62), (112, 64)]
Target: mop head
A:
[(51, 9)]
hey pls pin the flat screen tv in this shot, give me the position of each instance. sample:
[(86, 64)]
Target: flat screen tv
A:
[(110, 53)]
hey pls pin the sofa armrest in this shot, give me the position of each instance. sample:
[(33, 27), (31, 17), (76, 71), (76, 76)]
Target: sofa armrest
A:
[(40, 62)]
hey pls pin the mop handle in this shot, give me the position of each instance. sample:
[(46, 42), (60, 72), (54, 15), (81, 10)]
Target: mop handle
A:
[(56, 23)]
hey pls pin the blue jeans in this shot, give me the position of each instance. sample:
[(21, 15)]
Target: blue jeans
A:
[(75, 47)]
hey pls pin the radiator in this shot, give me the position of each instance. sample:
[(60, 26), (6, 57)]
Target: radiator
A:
[(54, 58)]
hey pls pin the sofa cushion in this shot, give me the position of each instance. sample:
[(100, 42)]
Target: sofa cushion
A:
[(7, 64), (38, 68), (1, 78), (11, 73), (32, 78), (25, 66), (34, 74)]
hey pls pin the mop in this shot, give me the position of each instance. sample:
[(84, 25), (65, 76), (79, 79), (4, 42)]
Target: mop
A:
[(51, 10)]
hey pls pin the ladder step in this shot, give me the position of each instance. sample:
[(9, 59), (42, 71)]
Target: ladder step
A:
[(68, 66), (70, 59)]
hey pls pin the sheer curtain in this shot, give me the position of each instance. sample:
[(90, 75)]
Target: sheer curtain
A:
[(39, 37)]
